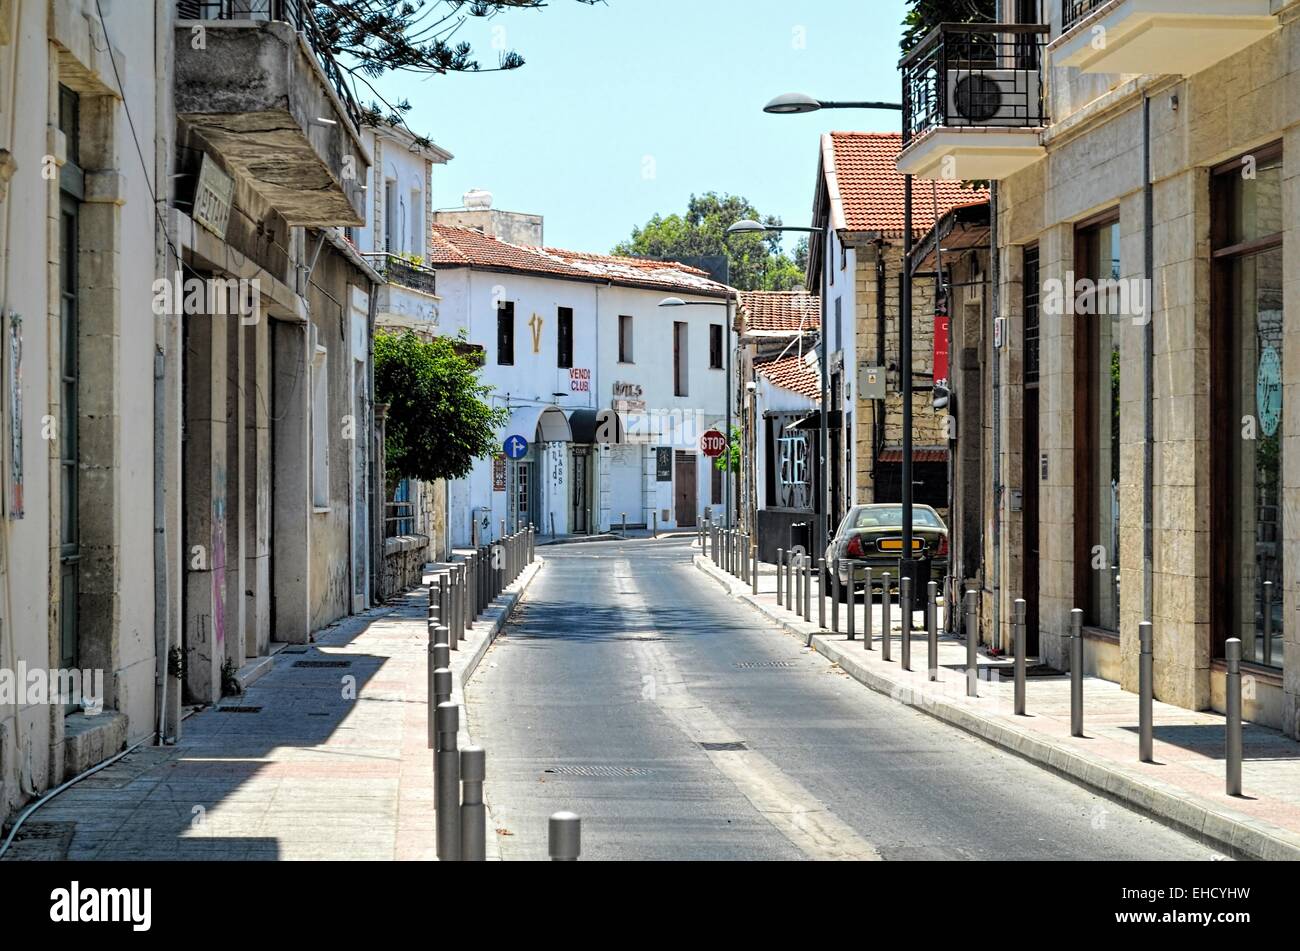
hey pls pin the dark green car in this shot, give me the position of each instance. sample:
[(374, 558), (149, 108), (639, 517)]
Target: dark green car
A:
[(871, 536)]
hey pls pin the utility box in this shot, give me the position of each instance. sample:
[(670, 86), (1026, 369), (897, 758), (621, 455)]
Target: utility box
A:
[(871, 383)]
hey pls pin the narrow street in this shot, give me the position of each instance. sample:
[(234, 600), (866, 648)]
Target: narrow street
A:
[(681, 725)]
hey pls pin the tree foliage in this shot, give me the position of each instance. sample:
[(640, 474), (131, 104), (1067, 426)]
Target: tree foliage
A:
[(369, 38), (924, 15), (438, 419), (756, 260)]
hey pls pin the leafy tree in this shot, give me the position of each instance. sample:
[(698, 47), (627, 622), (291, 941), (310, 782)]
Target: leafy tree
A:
[(924, 15), (438, 419), (731, 458), (756, 261), (372, 37)]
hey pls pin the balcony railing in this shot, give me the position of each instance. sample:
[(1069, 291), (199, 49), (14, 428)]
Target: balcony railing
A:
[(399, 270), (297, 14), (1072, 11), (980, 75)]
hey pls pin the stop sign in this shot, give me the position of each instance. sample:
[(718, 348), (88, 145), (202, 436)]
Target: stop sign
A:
[(713, 444)]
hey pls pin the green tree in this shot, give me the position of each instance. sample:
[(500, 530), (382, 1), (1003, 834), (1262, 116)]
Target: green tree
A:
[(731, 458), (756, 261), (438, 419), (924, 15)]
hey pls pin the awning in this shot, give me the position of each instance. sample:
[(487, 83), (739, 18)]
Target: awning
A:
[(596, 426), (539, 424), (814, 421), (919, 454)]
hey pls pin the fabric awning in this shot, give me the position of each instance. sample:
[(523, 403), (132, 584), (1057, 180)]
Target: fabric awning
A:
[(919, 454), (834, 420), (539, 424), (596, 426)]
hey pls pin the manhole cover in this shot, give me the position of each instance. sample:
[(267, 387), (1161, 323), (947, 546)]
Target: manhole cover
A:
[(596, 771), (765, 664), (238, 709), (724, 747), (322, 663)]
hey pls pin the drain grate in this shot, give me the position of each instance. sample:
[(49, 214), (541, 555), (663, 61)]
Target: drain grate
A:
[(322, 663), (598, 771), (295, 650), (724, 747), (238, 709), (766, 664)]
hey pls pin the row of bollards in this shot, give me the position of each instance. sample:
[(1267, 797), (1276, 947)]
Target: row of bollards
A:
[(458, 595)]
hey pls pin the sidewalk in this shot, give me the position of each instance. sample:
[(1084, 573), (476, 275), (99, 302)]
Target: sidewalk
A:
[(1183, 787), (325, 757)]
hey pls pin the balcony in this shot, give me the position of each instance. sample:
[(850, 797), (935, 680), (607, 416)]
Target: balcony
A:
[(973, 102), (256, 82), (1173, 37), (410, 296)]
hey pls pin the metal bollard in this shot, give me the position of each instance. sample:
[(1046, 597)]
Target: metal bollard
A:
[(932, 629), (438, 659), (447, 778), (564, 837), (1146, 693), (753, 568), (445, 599), (972, 644), (654, 529), (789, 580), (1018, 634), (1268, 623), (458, 599), (821, 593), (835, 596), (1233, 724), (886, 634), (905, 610), (473, 813), (441, 652), (796, 604), (807, 589), (852, 600), (780, 568), (1076, 672), (624, 525), (441, 694)]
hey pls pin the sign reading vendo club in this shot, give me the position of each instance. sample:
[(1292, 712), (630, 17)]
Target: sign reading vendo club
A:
[(713, 444)]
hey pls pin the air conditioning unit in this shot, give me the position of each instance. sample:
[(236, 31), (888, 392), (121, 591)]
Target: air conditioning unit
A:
[(1007, 98)]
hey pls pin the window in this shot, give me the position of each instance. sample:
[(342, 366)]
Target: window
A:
[(564, 341), (1097, 430), (715, 346), (1247, 371), (839, 323), (320, 430), (625, 339), (681, 360), (1029, 305), (390, 215), (69, 384), (506, 333)]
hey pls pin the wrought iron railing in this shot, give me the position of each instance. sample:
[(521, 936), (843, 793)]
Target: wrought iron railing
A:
[(397, 269), (296, 13), (1072, 11), (974, 75)]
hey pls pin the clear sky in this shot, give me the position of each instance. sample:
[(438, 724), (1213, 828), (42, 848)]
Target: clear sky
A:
[(627, 108)]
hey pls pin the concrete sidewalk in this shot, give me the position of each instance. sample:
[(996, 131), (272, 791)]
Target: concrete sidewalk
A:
[(1183, 787), (325, 757)]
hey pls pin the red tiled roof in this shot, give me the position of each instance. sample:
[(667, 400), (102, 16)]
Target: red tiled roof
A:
[(867, 189), (776, 311), (463, 247), (792, 373)]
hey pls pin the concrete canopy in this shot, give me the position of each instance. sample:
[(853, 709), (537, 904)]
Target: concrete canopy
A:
[(539, 424)]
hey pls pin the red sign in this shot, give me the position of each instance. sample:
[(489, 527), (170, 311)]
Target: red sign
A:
[(713, 444), (941, 348)]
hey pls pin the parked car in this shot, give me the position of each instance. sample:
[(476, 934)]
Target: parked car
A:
[(871, 536)]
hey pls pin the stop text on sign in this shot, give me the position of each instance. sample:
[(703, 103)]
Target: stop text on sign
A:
[(713, 443)]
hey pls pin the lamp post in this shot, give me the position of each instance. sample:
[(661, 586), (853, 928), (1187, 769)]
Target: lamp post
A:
[(797, 104), (726, 473)]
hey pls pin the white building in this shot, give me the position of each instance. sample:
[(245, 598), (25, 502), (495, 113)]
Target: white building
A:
[(568, 340)]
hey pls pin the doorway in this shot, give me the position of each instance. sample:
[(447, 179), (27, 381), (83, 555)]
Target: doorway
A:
[(1030, 477), (684, 489), (580, 500)]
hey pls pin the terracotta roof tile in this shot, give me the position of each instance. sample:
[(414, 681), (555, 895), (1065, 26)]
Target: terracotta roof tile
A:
[(870, 188), (463, 247), (777, 311), (793, 373)]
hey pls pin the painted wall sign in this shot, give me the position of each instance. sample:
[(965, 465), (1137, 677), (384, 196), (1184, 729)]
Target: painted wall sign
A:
[(213, 197), (1268, 391), (579, 380), (499, 472), (536, 324), (663, 464), (940, 349)]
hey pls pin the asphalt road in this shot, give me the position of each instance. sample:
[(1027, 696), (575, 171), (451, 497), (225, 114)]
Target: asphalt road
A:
[(681, 725)]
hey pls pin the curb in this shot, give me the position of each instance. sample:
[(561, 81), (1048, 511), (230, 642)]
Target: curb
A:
[(1240, 835)]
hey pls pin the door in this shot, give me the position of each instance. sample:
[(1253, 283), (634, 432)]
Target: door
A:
[(684, 490), (1030, 480), (580, 504)]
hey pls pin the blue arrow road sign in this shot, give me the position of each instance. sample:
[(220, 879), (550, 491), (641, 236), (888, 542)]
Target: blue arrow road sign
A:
[(516, 447)]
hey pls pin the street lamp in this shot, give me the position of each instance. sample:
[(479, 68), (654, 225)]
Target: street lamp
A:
[(726, 473), (796, 104)]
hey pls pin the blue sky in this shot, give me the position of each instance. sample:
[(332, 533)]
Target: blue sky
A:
[(624, 109)]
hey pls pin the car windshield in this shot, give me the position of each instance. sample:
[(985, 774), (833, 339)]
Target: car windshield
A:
[(891, 516)]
